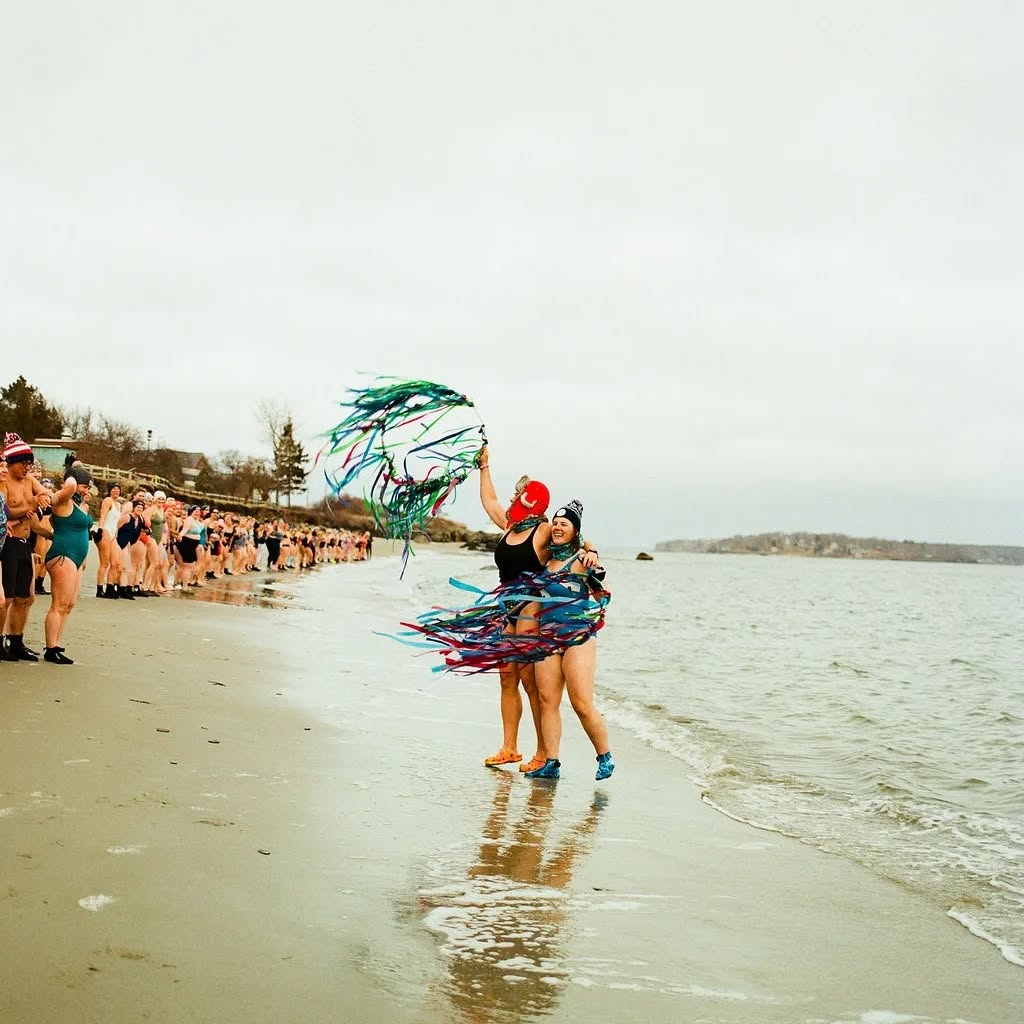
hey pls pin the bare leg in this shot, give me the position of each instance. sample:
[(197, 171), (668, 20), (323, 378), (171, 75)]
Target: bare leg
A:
[(138, 562), (550, 686), (104, 551), (38, 562), (579, 664), (65, 577), (526, 625), (527, 676), (17, 615), (511, 707)]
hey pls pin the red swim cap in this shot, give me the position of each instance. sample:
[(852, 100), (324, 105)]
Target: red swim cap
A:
[(532, 501)]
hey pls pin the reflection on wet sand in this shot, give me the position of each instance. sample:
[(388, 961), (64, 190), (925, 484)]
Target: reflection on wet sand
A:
[(257, 589), (501, 924)]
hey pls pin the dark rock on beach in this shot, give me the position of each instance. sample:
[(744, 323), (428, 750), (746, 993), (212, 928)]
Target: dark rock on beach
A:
[(481, 541)]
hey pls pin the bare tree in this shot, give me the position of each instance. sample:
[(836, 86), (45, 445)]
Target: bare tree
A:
[(100, 439), (272, 416), (80, 422)]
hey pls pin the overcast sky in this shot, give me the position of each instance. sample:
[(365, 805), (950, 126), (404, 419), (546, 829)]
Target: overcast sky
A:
[(711, 268)]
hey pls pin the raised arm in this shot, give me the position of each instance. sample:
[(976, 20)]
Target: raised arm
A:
[(488, 496), (62, 498)]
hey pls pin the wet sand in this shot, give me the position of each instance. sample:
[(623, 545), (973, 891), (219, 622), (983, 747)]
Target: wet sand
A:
[(227, 813)]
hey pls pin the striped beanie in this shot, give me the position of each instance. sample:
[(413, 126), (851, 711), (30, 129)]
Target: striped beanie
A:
[(15, 450)]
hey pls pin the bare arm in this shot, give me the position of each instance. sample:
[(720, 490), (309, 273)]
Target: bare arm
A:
[(38, 527), (488, 496), (586, 558), (62, 498), (40, 498)]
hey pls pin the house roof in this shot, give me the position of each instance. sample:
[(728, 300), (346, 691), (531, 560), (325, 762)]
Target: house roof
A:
[(190, 460)]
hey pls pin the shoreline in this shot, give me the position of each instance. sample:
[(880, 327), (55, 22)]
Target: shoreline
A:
[(397, 870), (839, 547)]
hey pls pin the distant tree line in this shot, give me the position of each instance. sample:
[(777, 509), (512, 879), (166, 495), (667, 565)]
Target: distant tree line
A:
[(102, 441)]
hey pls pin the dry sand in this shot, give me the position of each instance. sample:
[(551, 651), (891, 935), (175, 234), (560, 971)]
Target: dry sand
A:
[(238, 814)]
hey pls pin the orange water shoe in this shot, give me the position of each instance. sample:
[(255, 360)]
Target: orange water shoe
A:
[(533, 764), (503, 756)]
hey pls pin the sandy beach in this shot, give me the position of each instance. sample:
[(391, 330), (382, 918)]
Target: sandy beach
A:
[(261, 814)]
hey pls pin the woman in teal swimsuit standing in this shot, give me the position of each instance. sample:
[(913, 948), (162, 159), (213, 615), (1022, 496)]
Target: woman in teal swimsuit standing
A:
[(66, 557), (573, 667)]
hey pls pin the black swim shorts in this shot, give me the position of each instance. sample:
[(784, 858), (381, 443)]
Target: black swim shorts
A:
[(18, 570)]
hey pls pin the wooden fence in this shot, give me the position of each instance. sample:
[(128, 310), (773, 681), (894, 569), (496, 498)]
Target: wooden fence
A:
[(130, 480)]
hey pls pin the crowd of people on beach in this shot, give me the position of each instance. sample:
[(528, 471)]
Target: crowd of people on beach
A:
[(147, 544)]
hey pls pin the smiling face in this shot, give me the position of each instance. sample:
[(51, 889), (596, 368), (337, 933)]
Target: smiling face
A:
[(562, 530)]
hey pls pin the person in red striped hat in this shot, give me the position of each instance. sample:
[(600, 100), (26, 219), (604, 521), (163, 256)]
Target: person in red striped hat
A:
[(3, 532), (25, 496)]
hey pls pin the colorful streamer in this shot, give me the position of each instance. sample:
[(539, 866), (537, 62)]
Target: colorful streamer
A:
[(414, 441), (478, 638)]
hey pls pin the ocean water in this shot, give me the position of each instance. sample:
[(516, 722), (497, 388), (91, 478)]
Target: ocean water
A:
[(874, 710)]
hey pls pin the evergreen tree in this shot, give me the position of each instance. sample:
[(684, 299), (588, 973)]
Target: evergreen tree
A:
[(24, 411), (165, 462), (289, 461)]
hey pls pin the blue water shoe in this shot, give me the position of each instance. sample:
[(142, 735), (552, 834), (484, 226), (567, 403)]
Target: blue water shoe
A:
[(605, 766), (548, 770)]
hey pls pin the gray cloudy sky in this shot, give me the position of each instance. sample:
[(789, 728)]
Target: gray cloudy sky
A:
[(712, 268)]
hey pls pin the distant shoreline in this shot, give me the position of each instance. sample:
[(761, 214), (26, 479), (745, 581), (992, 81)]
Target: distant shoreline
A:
[(838, 545)]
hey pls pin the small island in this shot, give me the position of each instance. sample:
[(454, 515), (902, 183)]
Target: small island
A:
[(839, 545)]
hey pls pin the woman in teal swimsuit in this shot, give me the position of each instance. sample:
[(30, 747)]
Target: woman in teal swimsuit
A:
[(573, 668), (66, 557)]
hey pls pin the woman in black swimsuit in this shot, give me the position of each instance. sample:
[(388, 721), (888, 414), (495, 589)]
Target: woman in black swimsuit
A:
[(129, 529)]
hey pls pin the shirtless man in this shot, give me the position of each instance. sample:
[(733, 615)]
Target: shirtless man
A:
[(25, 496)]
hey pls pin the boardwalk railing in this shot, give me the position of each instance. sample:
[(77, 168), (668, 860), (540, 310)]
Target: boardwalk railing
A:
[(131, 479)]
